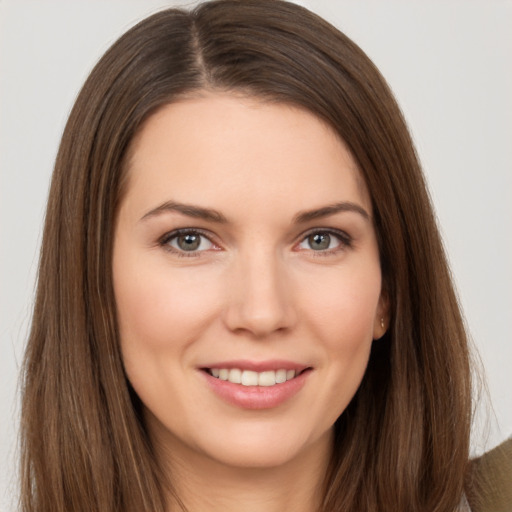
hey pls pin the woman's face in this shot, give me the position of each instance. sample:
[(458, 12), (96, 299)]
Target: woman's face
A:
[(244, 250)]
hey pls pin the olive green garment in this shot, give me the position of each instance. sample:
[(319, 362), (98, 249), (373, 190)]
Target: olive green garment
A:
[(490, 480)]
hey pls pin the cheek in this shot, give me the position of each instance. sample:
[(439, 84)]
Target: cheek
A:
[(343, 306), (341, 313), (160, 309)]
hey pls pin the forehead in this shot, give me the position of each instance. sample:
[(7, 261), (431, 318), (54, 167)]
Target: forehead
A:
[(220, 147)]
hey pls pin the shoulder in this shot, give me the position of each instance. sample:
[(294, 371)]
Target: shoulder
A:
[(489, 484)]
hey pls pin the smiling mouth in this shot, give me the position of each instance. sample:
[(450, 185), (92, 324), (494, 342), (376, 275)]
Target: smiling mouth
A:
[(251, 378)]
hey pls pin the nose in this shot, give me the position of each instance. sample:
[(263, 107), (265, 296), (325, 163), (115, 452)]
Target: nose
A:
[(260, 297)]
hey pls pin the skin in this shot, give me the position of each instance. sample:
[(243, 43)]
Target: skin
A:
[(255, 289)]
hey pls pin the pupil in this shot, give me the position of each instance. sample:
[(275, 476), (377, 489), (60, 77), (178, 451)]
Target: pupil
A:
[(319, 241), (189, 242)]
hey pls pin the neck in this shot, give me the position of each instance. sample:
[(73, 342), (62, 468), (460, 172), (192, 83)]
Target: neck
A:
[(205, 484)]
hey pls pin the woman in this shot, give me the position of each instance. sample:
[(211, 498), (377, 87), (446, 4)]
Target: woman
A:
[(243, 298)]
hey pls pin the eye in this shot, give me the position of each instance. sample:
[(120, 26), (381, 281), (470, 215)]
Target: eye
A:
[(325, 241), (187, 241)]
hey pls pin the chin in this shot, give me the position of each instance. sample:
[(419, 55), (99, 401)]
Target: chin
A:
[(261, 446), (256, 455), (240, 443)]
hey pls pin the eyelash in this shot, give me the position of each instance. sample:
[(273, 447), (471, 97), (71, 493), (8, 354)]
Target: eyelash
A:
[(168, 237), (345, 241)]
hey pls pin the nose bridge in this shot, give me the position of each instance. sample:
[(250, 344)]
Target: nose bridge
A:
[(260, 299)]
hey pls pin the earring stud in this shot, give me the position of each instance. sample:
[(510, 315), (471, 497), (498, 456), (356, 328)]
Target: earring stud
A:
[(382, 322)]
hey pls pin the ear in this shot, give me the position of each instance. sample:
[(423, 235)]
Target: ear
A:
[(381, 322)]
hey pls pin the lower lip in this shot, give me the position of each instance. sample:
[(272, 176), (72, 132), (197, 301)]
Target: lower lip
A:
[(256, 397)]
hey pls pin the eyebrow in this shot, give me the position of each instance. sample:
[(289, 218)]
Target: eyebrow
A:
[(325, 211), (189, 210), (209, 214)]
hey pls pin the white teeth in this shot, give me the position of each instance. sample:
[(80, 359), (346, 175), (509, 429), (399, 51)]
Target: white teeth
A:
[(267, 378), (250, 378), (235, 376), (280, 376)]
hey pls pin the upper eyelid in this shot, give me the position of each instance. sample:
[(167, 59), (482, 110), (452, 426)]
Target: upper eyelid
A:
[(332, 231), (343, 235), (345, 243), (164, 241), (183, 231)]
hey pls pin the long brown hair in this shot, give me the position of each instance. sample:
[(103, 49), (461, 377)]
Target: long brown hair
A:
[(402, 444)]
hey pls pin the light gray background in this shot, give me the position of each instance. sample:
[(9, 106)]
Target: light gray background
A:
[(450, 65)]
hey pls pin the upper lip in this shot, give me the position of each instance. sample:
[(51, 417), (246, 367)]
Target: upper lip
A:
[(259, 366)]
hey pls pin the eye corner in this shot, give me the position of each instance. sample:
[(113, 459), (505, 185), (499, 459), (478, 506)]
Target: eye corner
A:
[(196, 241), (329, 241)]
